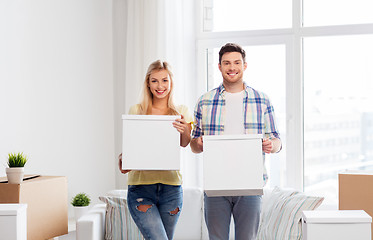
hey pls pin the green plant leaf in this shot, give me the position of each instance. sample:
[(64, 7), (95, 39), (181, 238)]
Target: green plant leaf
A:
[(16, 160), (80, 200)]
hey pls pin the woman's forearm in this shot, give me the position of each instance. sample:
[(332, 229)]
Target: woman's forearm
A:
[(185, 137)]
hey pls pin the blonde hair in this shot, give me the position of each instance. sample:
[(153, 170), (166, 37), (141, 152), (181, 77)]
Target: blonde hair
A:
[(147, 96)]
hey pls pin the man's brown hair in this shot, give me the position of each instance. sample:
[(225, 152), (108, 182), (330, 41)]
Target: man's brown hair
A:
[(231, 47)]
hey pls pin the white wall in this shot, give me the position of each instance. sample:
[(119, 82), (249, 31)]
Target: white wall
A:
[(56, 90)]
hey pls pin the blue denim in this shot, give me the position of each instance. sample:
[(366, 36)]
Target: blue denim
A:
[(246, 215), (158, 222)]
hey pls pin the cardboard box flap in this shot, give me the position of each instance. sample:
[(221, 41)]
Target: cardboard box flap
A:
[(341, 216)]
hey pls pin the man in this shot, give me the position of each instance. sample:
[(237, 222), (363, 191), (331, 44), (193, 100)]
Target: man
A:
[(234, 108)]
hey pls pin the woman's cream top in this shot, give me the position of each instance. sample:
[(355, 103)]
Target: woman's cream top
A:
[(155, 176)]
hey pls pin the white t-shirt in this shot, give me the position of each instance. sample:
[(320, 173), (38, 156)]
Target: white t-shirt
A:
[(234, 123)]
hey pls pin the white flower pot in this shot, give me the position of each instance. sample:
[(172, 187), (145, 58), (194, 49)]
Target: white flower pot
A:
[(15, 175), (80, 211)]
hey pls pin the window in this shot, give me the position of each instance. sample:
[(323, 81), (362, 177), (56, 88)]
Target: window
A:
[(337, 12), (238, 15), (322, 51), (338, 81)]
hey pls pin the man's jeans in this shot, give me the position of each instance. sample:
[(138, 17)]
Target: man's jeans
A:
[(163, 204), (246, 215)]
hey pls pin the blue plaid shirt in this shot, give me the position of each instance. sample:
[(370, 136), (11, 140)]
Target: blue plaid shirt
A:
[(258, 112)]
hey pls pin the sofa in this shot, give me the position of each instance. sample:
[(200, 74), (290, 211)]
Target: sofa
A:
[(280, 217)]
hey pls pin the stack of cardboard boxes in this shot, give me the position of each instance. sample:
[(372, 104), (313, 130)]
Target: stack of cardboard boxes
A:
[(46, 199), (356, 192)]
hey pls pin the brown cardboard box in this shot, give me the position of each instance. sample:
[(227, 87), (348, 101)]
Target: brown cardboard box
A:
[(356, 192), (46, 197)]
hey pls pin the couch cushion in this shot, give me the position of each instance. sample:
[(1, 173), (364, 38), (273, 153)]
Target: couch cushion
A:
[(118, 221), (91, 225), (281, 214)]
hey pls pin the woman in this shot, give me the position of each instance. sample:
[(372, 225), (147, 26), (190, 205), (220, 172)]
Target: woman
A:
[(155, 197)]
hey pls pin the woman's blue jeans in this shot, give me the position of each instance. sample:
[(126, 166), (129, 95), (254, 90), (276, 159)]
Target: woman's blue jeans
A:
[(246, 215), (155, 208)]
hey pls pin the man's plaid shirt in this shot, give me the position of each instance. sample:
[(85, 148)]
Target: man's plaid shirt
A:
[(259, 118)]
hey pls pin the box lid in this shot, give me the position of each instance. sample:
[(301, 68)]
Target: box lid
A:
[(337, 216), (11, 209), (232, 137), (151, 117)]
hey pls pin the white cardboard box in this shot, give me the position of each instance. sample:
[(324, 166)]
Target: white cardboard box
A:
[(150, 142), (13, 221), (233, 165), (336, 225)]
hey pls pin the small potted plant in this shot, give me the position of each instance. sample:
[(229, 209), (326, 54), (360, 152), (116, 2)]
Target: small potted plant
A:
[(15, 169), (81, 203)]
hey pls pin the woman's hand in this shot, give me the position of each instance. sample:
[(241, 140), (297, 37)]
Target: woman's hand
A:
[(180, 124), (120, 165), (184, 129)]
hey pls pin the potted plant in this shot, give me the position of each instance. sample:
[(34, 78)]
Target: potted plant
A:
[(15, 169), (81, 203)]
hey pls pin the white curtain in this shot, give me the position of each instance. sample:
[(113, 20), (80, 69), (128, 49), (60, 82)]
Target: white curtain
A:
[(144, 31)]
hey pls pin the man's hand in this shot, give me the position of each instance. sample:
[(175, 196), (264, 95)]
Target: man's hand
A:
[(267, 145), (271, 145), (120, 165), (197, 145)]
